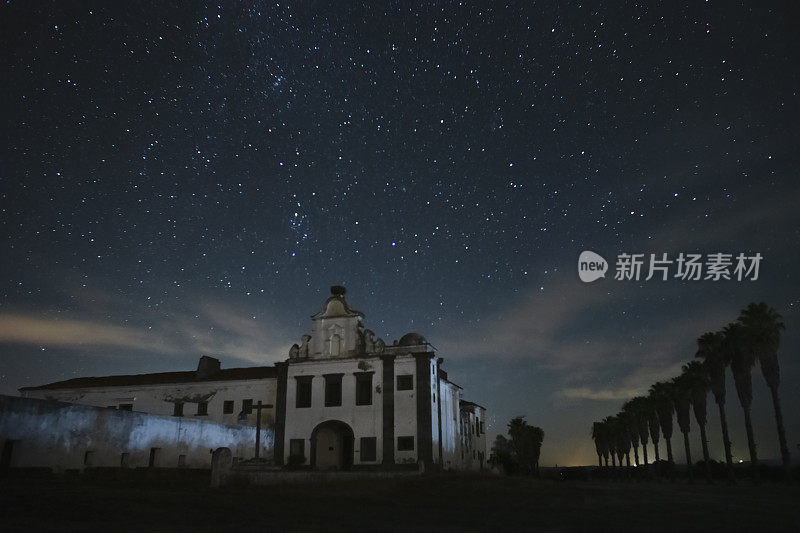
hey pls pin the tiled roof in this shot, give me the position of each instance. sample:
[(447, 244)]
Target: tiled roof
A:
[(227, 374)]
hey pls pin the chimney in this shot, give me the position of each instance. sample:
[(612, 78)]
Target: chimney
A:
[(207, 367)]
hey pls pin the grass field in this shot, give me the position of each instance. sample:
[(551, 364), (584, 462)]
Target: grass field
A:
[(443, 502)]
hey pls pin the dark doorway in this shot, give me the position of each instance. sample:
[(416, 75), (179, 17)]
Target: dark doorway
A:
[(154, 453), (8, 452), (332, 446)]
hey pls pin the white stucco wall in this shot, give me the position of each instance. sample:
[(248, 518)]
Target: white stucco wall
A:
[(57, 435), (451, 441), (160, 399), (405, 409), (365, 420)]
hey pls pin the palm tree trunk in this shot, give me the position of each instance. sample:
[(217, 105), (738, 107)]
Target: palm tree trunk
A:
[(644, 453), (655, 447), (776, 403), (705, 452), (600, 460), (688, 455), (628, 459), (726, 442), (613, 461), (669, 450), (605, 458), (751, 442), (636, 455)]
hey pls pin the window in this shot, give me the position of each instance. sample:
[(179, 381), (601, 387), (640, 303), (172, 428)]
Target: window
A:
[(247, 406), (303, 396), (297, 448), (202, 409), (126, 407), (364, 388), (369, 446), (181, 461), (177, 410), (227, 407), (405, 382), (405, 444), (333, 390), (88, 458)]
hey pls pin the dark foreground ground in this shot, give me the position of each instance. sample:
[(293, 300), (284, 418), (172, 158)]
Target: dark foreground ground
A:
[(441, 503)]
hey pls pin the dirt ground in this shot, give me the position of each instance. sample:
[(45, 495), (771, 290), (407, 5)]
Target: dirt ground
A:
[(441, 503)]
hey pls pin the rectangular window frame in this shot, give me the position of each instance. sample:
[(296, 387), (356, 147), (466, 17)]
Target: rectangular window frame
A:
[(247, 406), (364, 388), (177, 409), (227, 407), (304, 395), (202, 409), (406, 443), (333, 390), (405, 382)]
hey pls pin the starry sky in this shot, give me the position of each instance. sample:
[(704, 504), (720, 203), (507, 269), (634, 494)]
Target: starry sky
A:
[(188, 180)]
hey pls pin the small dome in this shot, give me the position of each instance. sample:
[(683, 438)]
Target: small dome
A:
[(412, 339)]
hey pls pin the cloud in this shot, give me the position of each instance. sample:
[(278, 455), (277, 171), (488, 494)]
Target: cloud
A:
[(211, 328)]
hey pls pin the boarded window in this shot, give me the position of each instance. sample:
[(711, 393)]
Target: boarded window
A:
[(364, 388), (247, 406), (333, 390), (177, 409), (303, 396), (405, 382), (227, 407), (202, 409), (405, 444), (181, 461), (126, 407), (369, 446), (297, 448)]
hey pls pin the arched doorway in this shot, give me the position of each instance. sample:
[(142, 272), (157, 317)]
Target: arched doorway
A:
[(332, 446)]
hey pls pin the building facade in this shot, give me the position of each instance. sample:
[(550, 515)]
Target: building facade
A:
[(342, 400)]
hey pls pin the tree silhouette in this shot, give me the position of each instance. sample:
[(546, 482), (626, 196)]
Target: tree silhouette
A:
[(710, 348), (762, 332), (526, 443), (637, 411), (682, 399), (649, 407), (600, 442), (742, 361), (661, 392), (697, 381)]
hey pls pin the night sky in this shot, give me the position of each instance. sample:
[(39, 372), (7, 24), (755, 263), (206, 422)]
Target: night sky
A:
[(179, 181)]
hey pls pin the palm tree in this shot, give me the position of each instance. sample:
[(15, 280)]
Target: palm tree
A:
[(742, 361), (698, 383), (611, 427), (629, 417), (637, 411), (649, 407), (682, 399), (710, 350), (661, 393), (600, 442), (623, 439), (762, 326)]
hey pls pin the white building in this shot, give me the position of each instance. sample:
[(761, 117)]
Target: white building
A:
[(342, 400)]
